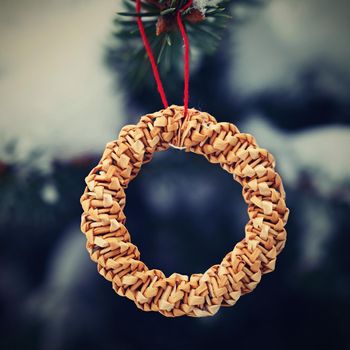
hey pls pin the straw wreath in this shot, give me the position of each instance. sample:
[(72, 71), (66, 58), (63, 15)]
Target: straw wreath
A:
[(108, 240)]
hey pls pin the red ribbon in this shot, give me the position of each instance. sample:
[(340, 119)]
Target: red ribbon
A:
[(153, 61)]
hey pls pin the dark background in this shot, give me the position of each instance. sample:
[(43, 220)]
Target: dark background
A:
[(281, 73)]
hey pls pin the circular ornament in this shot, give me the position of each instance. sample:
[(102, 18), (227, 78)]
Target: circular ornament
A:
[(108, 240)]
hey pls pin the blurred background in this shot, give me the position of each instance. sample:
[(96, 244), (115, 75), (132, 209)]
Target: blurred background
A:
[(281, 72)]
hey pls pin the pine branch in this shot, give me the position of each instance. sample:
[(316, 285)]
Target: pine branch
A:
[(205, 27)]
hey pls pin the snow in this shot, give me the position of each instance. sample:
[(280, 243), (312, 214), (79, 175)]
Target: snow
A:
[(55, 93), (202, 4), (321, 151), (280, 40)]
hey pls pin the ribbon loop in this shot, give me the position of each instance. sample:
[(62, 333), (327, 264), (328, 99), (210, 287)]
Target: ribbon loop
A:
[(148, 48)]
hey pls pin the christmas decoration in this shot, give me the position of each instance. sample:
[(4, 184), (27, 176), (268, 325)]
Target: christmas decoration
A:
[(118, 259), (103, 221)]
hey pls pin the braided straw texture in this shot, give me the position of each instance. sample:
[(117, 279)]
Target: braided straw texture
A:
[(108, 240)]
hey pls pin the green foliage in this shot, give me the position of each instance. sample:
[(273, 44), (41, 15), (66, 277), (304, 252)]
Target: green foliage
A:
[(127, 54)]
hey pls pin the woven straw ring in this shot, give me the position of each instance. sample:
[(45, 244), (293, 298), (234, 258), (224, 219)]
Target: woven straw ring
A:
[(108, 240)]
